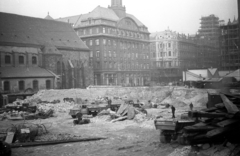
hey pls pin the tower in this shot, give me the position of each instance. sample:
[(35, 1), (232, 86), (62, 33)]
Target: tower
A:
[(116, 6)]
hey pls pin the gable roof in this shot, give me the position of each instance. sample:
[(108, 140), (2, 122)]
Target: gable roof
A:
[(16, 29)]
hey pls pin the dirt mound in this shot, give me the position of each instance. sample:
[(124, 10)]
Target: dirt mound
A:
[(181, 97)]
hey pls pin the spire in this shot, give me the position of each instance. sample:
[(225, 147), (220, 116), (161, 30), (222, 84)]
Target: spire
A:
[(48, 17), (118, 8), (116, 3)]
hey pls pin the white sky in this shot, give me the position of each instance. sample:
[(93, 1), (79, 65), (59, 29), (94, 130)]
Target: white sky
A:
[(182, 16)]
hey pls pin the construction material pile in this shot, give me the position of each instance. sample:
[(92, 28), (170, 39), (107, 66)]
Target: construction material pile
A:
[(217, 124)]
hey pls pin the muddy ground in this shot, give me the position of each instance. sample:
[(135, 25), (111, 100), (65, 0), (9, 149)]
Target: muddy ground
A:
[(124, 138)]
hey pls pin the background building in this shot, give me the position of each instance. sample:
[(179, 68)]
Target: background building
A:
[(41, 54), (229, 46), (173, 53), (210, 29), (119, 44)]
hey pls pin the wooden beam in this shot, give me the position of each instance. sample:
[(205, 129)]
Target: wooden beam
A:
[(231, 108)]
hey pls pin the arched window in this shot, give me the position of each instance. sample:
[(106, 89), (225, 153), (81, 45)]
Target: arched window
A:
[(34, 60), (35, 84), (7, 59), (6, 86), (21, 85), (21, 59), (58, 68), (48, 84)]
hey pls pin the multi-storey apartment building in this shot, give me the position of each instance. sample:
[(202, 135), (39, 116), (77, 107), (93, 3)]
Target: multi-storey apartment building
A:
[(173, 53), (119, 44)]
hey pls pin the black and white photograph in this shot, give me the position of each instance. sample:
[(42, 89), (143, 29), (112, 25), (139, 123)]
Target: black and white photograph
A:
[(119, 78)]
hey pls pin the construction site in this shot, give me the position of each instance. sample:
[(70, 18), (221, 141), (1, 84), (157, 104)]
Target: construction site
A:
[(123, 121)]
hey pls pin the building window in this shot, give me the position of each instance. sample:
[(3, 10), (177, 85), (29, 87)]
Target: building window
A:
[(91, 54), (34, 60), (6, 86), (21, 59), (105, 54), (7, 59), (35, 84), (48, 84), (84, 31), (104, 41), (109, 30), (104, 30), (114, 43), (90, 31), (21, 85), (97, 41), (90, 42), (110, 54), (109, 42), (97, 53), (97, 30), (114, 54), (169, 45), (169, 53), (58, 68)]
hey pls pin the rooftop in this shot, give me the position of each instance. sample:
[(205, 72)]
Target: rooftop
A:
[(16, 29)]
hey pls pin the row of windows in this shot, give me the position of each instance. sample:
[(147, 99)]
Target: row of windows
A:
[(123, 45), (114, 65), (118, 32), (125, 55), (21, 59), (21, 85), (167, 54)]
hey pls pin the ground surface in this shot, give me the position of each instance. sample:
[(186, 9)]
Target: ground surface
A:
[(125, 138)]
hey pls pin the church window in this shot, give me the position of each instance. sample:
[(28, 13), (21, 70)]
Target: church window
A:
[(7, 59), (34, 60), (21, 59), (21, 85)]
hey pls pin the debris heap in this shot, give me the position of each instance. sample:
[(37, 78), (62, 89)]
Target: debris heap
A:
[(218, 124)]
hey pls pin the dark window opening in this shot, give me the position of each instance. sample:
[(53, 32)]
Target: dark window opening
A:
[(48, 84), (6, 86), (7, 59), (21, 60), (35, 84), (21, 85), (34, 60)]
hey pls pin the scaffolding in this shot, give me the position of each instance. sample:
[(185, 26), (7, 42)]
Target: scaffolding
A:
[(229, 45)]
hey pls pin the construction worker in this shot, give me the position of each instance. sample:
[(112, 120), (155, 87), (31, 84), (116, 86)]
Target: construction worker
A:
[(173, 111), (191, 106)]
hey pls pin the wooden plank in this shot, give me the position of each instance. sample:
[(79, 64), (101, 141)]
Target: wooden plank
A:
[(231, 108), (9, 137), (227, 122), (198, 128), (206, 114), (212, 109), (217, 131)]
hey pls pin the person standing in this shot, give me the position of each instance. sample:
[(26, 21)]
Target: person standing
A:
[(173, 111), (191, 106)]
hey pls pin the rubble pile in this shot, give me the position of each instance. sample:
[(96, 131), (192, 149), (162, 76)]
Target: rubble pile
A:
[(215, 125), (184, 151)]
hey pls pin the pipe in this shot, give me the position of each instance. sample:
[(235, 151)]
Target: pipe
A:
[(43, 143)]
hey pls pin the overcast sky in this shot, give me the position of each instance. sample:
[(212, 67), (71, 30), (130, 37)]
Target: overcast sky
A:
[(182, 16)]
